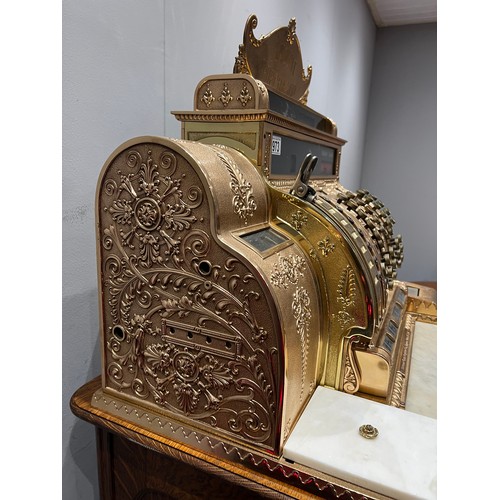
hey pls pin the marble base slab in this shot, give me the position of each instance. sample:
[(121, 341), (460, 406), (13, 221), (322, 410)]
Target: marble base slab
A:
[(421, 396), (400, 462)]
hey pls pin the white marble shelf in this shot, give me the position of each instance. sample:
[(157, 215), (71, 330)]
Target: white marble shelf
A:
[(422, 390), (400, 462)]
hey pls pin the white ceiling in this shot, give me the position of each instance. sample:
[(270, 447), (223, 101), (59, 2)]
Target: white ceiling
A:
[(398, 12)]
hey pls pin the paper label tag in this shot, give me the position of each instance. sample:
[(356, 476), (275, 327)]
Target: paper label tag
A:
[(276, 145)]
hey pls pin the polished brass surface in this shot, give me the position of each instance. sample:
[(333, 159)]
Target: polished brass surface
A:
[(230, 289), (275, 59)]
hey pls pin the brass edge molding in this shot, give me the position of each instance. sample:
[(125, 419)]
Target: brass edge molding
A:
[(214, 116), (264, 115), (398, 390), (424, 318), (399, 384)]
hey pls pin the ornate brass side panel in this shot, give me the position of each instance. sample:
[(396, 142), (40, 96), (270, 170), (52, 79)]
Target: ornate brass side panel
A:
[(189, 326), (186, 326)]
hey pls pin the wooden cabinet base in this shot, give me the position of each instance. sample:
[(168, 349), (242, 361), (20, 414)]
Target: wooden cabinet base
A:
[(129, 471), (137, 464)]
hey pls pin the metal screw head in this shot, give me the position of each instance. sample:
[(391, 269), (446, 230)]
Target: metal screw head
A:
[(368, 431)]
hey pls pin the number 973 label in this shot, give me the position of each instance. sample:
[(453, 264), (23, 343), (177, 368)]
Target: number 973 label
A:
[(276, 145)]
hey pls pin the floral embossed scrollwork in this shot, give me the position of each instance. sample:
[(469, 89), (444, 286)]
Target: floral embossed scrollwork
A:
[(168, 162), (287, 271), (134, 158), (162, 273), (110, 187), (301, 308), (351, 373), (149, 208), (195, 197), (199, 381)]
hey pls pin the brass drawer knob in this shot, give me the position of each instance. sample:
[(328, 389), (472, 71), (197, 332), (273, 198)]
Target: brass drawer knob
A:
[(368, 431)]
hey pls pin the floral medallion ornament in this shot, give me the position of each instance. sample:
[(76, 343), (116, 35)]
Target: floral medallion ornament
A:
[(193, 377), (162, 210), (147, 214)]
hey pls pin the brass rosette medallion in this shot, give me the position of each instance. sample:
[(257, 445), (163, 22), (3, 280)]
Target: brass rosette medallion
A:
[(368, 431)]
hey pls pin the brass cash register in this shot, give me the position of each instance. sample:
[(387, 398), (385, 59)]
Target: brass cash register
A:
[(237, 274)]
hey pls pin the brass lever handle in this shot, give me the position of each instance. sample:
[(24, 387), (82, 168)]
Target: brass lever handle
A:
[(301, 187)]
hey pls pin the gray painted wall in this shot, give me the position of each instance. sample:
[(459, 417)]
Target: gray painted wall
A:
[(126, 65), (400, 153)]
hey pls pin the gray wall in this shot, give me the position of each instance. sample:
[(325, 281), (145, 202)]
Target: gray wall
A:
[(400, 153), (126, 65)]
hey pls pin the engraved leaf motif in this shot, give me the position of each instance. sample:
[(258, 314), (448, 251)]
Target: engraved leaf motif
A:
[(222, 304), (149, 250), (121, 211), (149, 178), (244, 204), (182, 307), (347, 288), (178, 217), (216, 375)]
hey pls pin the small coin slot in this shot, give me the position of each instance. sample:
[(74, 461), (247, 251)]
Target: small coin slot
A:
[(205, 267), (118, 332)]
